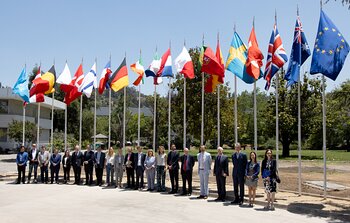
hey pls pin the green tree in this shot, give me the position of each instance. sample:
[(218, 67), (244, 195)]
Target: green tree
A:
[(15, 131)]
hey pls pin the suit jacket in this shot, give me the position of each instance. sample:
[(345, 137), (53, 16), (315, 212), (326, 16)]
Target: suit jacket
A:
[(256, 169), (239, 165), (116, 161), (77, 159), (207, 162), (89, 157), (131, 159), (173, 160), (30, 156), (55, 159), (68, 163), (190, 163), (272, 168), (136, 157), (22, 158), (221, 165), (100, 163), (44, 158)]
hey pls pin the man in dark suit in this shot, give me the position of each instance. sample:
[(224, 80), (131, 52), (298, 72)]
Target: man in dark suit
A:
[(88, 165), (77, 162), (100, 163), (55, 164), (33, 163), (139, 167), (239, 161), (221, 172), (187, 163), (130, 168), (173, 166)]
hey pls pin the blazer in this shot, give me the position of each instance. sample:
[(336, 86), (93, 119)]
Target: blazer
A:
[(89, 157), (136, 157), (239, 165), (256, 170), (272, 168), (44, 158), (173, 160), (77, 159), (132, 161), (55, 159), (116, 162), (68, 163), (221, 166), (190, 163), (100, 163), (35, 159), (207, 162), (22, 158)]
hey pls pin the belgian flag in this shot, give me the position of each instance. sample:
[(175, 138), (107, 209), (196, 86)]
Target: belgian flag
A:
[(120, 78), (44, 84)]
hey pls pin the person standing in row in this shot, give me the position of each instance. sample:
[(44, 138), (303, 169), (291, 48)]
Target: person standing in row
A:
[(252, 177), (55, 163), (21, 161), (150, 168), (187, 163), (220, 173), (130, 168), (77, 162), (161, 161), (204, 168), (66, 163), (44, 159), (100, 163), (88, 165), (269, 175), (173, 167), (239, 161), (119, 168), (110, 167), (139, 167), (33, 163)]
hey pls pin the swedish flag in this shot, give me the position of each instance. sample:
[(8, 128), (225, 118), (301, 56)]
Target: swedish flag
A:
[(330, 49)]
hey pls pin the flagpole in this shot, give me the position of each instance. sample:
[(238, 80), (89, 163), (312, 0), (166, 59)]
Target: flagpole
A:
[(299, 127), (154, 117), (80, 119), (218, 114), (109, 117), (65, 128), (277, 129), (38, 130), (95, 120), (184, 137), (324, 138), (139, 114), (24, 124), (202, 104), (235, 102), (124, 114), (169, 115), (255, 121), (52, 113)]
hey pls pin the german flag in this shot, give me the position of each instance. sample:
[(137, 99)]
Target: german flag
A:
[(44, 84), (120, 78)]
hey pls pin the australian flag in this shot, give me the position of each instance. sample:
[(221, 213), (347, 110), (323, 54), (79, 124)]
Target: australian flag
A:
[(330, 49), (276, 57), (300, 53)]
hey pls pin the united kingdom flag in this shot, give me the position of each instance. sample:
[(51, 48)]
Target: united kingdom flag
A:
[(276, 57)]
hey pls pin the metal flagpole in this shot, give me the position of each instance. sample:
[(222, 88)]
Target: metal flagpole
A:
[(169, 115), (124, 114), (324, 138), (80, 119), (202, 118), (24, 124), (52, 113), (139, 118), (95, 120), (218, 115), (38, 130), (154, 117), (184, 138), (65, 128), (277, 130), (109, 117), (299, 128), (235, 103), (255, 121)]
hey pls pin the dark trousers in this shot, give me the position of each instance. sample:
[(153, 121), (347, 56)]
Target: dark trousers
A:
[(77, 173), (66, 173), (130, 177), (54, 173), (99, 174), (238, 181), (31, 167), (187, 176), (221, 186), (88, 168), (21, 174), (139, 177), (174, 179), (44, 174), (161, 178)]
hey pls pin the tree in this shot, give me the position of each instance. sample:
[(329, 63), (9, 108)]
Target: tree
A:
[(15, 131)]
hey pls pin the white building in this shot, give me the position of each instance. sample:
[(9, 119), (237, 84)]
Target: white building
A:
[(11, 108)]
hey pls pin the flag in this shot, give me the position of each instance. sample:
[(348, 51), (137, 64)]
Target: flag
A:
[(330, 49), (120, 78), (73, 92), (153, 70), (300, 52), (184, 65), (64, 79), (201, 56), (165, 69), (236, 59), (39, 97), (21, 86), (106, 72), (45, 83), (89, 82), (255, 57), (276, 57), (139, 69), (215, 80), (210, 64)]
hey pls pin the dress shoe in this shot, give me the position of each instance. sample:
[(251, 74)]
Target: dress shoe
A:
[(205, 197), (234, 202), (171, 192), (200, 197), (218, 199)]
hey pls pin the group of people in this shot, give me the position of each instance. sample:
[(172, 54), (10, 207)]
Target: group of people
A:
[(154, 167)]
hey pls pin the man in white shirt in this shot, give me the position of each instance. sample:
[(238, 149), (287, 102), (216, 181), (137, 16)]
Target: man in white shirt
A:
[(204, 168), (44, 159), (33, 163), (139, 167)]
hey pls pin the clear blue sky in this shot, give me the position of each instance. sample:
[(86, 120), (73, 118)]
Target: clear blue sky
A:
[(39, 30)]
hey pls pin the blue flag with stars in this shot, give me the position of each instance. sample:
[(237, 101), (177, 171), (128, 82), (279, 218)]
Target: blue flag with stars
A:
[(330, 49), (300, 53)]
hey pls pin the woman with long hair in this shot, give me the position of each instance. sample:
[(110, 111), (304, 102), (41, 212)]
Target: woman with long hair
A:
[(252, 177), (150, 168), (66, 163), (161, 161), (110, 166), (269, 175)]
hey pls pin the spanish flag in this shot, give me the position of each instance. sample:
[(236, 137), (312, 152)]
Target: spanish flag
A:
[(120, 78), (44, 84)]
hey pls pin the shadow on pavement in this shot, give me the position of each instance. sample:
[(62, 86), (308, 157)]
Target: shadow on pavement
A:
[(316, 210)]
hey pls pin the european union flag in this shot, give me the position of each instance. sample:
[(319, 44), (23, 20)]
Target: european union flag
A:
[(21, 86), (300, 53), (330, 49)]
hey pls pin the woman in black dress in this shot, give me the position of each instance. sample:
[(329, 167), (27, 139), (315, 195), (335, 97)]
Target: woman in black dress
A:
[(269, 175)]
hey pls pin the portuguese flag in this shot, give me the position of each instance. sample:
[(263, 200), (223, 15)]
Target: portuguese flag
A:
[(120, 78)]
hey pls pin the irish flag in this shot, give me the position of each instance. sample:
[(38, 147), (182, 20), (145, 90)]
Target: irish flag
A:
[(139, 69), (184, 65)]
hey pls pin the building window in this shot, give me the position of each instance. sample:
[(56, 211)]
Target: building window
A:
[(3, 135), (3, 106)]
